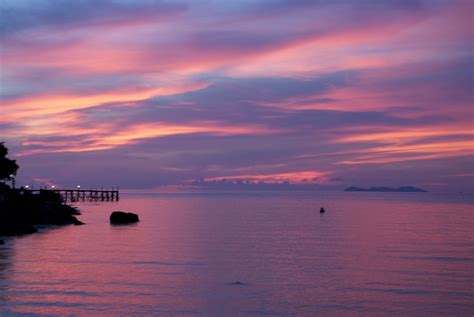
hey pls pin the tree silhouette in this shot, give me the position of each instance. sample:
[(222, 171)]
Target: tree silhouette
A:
[(8, 167)]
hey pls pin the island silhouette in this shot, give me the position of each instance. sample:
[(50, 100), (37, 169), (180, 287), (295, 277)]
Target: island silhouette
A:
[(402, 189)]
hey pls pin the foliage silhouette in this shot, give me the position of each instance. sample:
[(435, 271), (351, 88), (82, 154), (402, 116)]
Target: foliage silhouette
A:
[(8, 167)]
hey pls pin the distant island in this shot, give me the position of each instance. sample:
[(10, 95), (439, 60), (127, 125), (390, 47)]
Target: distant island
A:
[(402, 189)]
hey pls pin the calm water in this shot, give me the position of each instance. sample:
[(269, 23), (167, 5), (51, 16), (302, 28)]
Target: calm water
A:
[(368, 255)]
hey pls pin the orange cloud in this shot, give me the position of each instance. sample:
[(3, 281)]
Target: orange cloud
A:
[(404, 135), (107, 137), (42, 105), (409, 144)]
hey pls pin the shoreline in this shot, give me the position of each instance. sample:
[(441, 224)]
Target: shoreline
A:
[(21, 211)]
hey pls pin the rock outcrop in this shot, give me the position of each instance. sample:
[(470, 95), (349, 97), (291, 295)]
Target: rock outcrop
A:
[(237, 283), (21, 211), (121, 218)]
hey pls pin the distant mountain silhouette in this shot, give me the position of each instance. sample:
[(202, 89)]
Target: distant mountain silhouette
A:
[(402, 189)]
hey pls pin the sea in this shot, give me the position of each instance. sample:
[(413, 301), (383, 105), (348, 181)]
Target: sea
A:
[(250, 254)]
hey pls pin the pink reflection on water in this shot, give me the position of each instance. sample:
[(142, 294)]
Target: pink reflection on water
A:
[(365, 256)]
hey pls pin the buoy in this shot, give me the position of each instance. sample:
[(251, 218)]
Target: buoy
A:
[(322, 210)]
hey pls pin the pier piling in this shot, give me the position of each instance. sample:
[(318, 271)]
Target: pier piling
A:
[(74, 195)]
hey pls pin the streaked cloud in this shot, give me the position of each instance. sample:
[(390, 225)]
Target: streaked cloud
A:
[(350, 92)]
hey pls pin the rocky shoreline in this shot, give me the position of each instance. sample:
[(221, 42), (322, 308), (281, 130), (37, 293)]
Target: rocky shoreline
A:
[(22, 211)]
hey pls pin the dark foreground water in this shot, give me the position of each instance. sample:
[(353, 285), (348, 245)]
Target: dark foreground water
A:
[(368, 255)]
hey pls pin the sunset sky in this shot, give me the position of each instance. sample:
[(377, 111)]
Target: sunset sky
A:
[(154, 94)]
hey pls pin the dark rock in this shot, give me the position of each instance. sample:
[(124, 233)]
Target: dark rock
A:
[(77, 222), (120, 217), (322, 210), (2, 242), (237, 283), (15, 229)]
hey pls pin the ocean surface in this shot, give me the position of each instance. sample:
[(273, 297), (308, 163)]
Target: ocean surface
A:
[(250, 254)]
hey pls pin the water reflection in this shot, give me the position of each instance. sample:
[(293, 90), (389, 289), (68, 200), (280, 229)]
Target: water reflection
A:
[(5, 268), (364, 256)]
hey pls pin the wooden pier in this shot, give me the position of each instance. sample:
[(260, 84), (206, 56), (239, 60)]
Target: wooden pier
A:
[(74, 195)]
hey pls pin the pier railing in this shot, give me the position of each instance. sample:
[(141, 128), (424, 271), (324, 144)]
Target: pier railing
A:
[(74, 195)]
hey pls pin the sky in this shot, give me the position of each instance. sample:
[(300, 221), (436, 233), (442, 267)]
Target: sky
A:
[(146, 94)]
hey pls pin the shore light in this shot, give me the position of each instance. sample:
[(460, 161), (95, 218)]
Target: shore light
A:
[(78, 186), (53, 187), (27, 186), (12, 179)]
